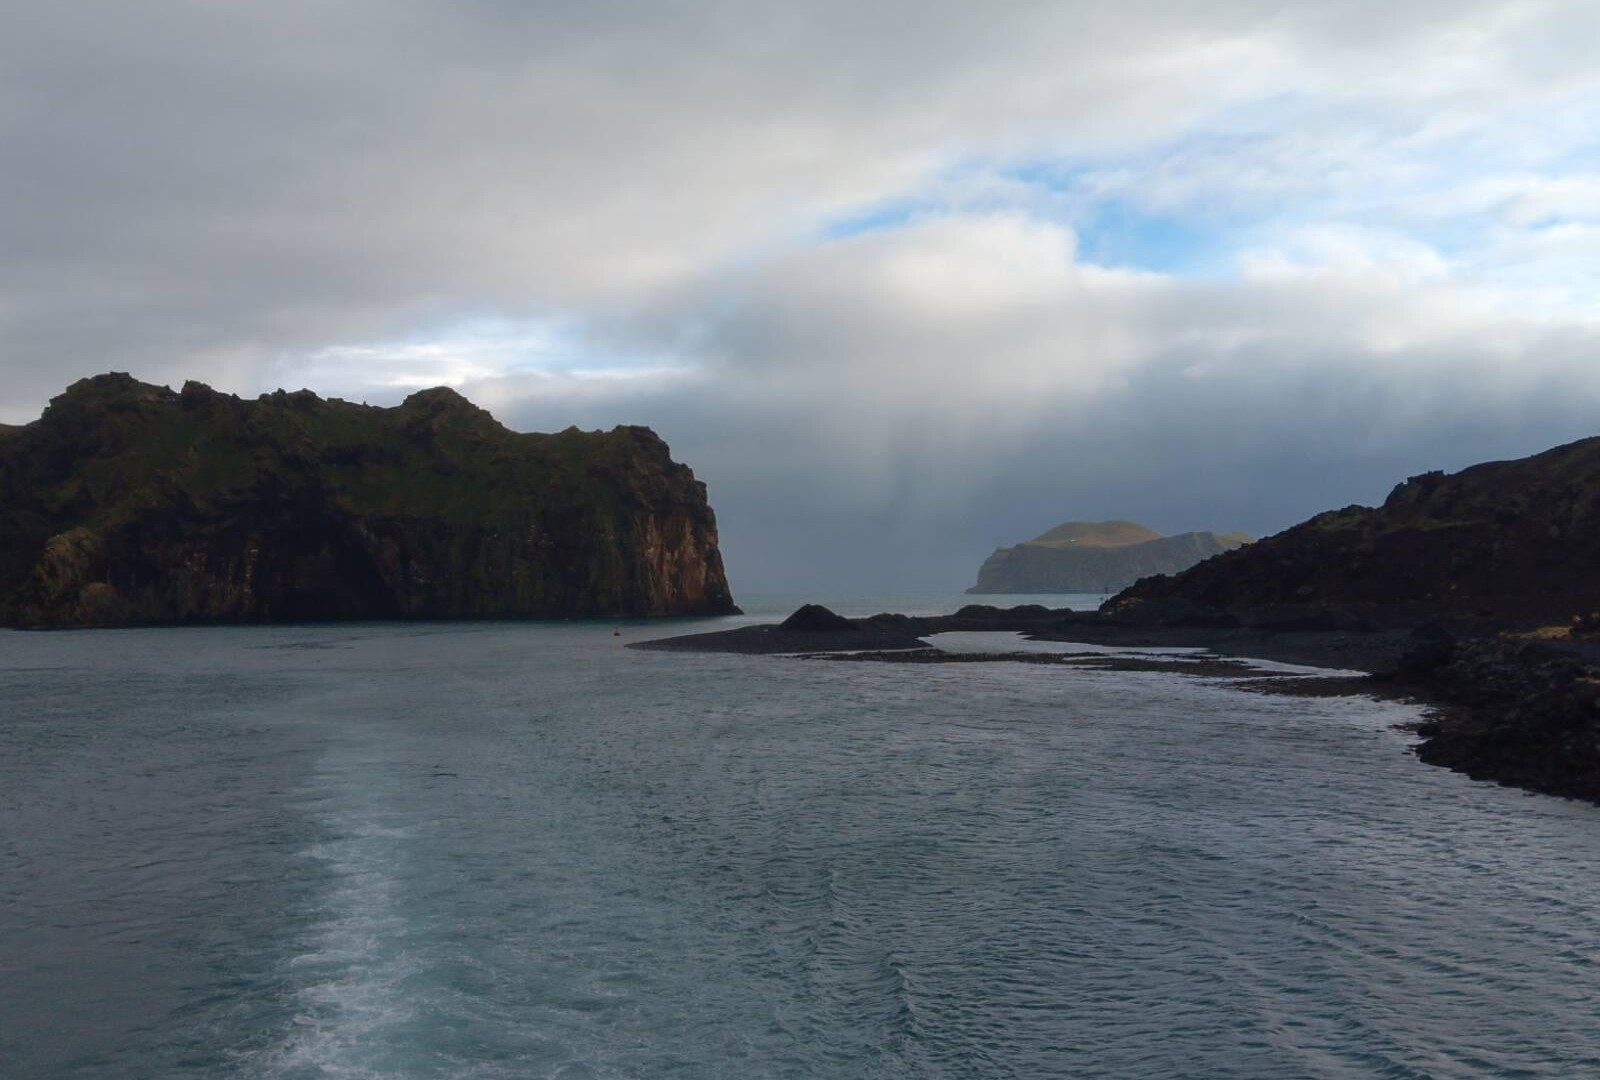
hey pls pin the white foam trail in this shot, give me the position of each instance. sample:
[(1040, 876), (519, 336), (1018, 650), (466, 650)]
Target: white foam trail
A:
[(352, 1003)]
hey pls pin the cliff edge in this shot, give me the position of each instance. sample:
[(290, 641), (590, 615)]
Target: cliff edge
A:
[(127, 503)]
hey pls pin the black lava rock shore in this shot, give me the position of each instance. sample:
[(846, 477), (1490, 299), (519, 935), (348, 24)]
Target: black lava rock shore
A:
[(1517, 712)]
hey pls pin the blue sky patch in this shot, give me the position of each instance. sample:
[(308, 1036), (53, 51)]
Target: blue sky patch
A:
[(881, 217), (1116, 234)]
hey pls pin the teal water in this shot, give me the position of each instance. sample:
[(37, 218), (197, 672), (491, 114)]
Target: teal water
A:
[(521, 850)]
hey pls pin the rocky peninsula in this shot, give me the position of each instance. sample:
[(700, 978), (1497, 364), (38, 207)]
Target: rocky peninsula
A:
[(128, 503)]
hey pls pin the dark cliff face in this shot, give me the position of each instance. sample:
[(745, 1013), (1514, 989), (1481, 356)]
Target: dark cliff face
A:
[(129, 503), (1508, 541), (1037, 567)]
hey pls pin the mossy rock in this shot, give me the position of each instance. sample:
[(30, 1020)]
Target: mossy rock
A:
[(129, 503)]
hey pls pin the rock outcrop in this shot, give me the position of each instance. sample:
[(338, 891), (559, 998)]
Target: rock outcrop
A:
[(1523, 713), (816, 618), (1092, 557), (127, 503), (1504, 542)]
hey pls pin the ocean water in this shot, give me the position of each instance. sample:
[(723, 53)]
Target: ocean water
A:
[(521, 850)]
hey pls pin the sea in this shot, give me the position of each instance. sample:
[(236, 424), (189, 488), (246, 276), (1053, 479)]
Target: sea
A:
[(522, 850)]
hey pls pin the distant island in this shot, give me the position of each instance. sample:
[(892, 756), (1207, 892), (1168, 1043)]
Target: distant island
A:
[(1096, 556), (128, 503)]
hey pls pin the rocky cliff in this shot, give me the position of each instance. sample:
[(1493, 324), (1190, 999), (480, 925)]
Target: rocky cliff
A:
[(1091, 557), (1506, 542), (127, 503)]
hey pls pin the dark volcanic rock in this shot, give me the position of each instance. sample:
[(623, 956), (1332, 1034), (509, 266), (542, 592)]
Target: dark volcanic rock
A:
[(772, 640), (1503, 542), (815, 617), (129, 503), (1517, 713), (815, 629)]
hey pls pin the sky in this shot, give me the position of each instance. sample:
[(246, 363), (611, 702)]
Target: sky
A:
[(902, 282)]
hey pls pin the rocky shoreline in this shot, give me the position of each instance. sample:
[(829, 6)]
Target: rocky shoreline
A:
[(812, 629), (1505, 708), (1521, 713)]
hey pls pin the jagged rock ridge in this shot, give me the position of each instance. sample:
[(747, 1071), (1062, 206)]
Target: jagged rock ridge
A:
[(1507, 541), (127, 503), (1086, 557)]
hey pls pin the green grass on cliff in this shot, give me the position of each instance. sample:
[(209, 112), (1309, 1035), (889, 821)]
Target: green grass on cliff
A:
[(1095, 534), (148, 470), (109, 439)]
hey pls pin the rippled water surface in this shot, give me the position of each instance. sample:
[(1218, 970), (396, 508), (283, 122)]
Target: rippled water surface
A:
[(524, 851)]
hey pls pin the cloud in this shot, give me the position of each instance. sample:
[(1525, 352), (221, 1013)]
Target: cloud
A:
[(901, 280), (890, 405)]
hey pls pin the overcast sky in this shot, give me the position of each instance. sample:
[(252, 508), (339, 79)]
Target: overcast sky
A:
[(901, 281)]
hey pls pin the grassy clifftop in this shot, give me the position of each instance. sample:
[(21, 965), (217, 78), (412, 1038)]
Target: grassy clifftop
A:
[(130, 503), (1096, 534)]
